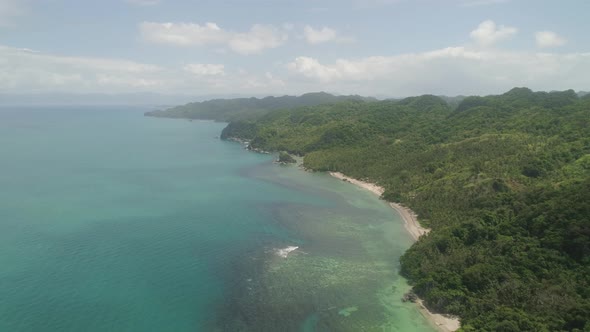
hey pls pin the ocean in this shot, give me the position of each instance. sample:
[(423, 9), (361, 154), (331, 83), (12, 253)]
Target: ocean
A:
[(112, 221)]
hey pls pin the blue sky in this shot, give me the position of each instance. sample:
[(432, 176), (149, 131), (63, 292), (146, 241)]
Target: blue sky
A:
[(371, 47)]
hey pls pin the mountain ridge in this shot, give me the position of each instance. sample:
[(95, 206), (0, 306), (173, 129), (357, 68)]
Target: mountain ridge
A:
[(225, 110)]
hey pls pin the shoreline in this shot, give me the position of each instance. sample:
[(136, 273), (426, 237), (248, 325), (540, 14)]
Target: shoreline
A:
[(413, 227), (409, 217)]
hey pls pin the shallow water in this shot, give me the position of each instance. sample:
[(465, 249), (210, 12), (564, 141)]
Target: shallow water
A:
[(111, 221)]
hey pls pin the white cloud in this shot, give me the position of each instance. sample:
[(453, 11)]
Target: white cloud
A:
[(182, 34), (265, 83), (201, 69), (487, 33), (27, 70), (111, 81), (312, 68), (549, 39), (322, 35), (375, 67), (144, 2), (257, 39), (453, 70)]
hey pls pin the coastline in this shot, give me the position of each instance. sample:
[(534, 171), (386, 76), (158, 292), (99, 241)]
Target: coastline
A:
[(409, 217), (412, 225)]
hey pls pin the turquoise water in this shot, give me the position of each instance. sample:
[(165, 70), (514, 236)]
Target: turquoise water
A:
[(111, 221)]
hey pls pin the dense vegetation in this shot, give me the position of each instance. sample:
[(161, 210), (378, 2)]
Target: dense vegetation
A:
[(247, 108), (503, 181), (286, 158)]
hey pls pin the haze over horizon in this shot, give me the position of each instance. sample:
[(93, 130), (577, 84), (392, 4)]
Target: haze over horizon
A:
[(384, 48)]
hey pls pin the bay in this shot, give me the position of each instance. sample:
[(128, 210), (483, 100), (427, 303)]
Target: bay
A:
[(111, 221)]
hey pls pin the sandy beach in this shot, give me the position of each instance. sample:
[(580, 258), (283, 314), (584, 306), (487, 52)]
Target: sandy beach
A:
[(441, 322), (410, 218)]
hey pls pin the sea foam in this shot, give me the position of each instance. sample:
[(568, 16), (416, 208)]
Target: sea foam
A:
[(285, 251)]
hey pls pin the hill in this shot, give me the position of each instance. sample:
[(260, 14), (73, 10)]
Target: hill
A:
[(248, 108), (501, 180)]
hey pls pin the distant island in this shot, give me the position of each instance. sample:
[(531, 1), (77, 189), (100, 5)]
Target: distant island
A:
[(502, 181)]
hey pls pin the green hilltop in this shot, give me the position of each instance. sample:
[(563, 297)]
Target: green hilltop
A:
[(503, 182), (247, 108)]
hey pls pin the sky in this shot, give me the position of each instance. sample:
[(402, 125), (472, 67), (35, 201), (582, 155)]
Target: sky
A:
[(386, 48)]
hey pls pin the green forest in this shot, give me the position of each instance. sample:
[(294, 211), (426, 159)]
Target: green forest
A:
[(503, 181), (247, 108)]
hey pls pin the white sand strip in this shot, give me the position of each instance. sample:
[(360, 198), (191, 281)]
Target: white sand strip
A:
[(443, 323)]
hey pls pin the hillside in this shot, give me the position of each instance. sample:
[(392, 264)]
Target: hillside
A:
[(502, 181), (247, 108)]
